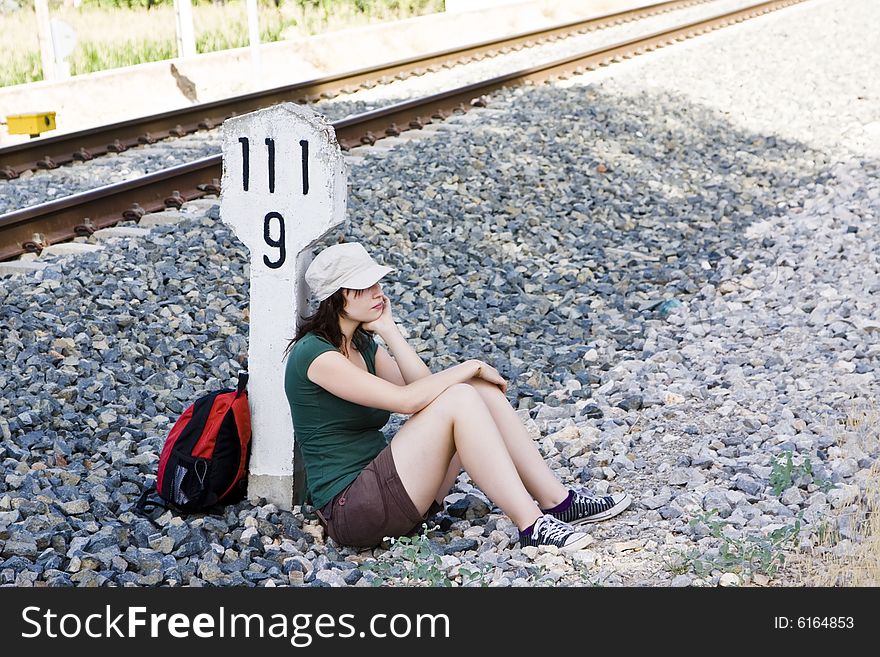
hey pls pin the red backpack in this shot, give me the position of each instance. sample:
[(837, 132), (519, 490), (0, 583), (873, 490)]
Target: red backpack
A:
[(204, 459)]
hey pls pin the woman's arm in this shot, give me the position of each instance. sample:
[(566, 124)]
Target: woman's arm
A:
[(339, 376), (411, 366)]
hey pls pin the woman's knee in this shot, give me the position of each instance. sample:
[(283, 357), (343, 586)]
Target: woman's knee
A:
[(482, 386), (459, 393), (455, 399)]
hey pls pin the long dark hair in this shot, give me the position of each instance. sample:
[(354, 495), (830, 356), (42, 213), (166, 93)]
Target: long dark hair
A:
[(324, 322)]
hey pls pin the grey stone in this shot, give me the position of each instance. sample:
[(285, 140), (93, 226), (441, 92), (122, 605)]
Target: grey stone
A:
[(75, 507), (717, 500), (748, 485), (460, 545)]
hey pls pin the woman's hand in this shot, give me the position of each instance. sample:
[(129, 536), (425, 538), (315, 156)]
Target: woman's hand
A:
[(490, 374), (384, 321)]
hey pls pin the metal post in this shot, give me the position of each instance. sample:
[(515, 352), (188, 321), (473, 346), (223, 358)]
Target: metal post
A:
[(254, 34), (44, 33), (186, 36)]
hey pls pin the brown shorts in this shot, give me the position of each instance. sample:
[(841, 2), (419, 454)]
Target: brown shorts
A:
[(373, 506)]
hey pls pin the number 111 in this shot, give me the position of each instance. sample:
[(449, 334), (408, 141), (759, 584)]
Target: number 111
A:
[(267, 220)]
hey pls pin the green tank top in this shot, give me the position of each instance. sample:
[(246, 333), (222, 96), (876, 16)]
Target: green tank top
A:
[(337, 438)]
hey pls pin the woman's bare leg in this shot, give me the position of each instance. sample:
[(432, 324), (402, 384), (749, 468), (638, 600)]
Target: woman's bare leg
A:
[(536, 476), (458, 421), (449, 480), (534, 472)]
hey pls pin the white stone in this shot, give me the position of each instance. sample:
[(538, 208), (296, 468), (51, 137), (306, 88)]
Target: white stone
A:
[(74, 507), (21, 267), (568, 433), (70, 248), (585, 557), (530, 551), (198, 205), (120, 231), (843, 495), (729, 579), (163, 218), (316, 531), (448, 561)]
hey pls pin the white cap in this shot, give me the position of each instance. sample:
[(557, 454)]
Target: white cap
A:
[(343, 265)]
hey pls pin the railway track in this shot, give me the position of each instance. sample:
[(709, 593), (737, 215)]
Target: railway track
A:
[(84, 145), (32, 229)]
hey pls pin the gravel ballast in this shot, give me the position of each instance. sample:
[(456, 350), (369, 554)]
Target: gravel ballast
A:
[(673, 263)]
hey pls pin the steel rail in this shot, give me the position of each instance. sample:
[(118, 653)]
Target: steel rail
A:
[(31, 229)]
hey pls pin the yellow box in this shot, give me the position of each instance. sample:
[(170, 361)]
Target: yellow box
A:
[(30, 124)]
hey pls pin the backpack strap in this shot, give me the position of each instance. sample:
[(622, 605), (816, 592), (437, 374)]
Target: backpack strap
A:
[(144, 505), (243, 377)]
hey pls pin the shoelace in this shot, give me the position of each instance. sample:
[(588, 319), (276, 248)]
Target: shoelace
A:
[(553, 530), (587, 496)]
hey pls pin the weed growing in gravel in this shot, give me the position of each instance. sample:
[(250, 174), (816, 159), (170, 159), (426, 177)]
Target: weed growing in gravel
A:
[(746, 556), (469, 576), (850, 556), (587, 576), (417, 565), (785, 474), (416, 562)]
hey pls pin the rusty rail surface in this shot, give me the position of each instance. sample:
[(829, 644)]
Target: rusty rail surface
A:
[(54, 151), (31, 229)]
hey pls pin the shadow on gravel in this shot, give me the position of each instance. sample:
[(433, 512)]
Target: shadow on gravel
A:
[(528, 241)]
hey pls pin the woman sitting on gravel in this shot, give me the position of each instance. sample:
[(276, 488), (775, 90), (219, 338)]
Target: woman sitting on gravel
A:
[(342, 387)]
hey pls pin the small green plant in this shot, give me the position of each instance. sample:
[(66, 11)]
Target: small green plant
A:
[(824, 484), (780, 476), (745, 556), (827, 534), (680, 564), (586, 575), (785, 474), (469, 576), (417, 564), (537, 571)]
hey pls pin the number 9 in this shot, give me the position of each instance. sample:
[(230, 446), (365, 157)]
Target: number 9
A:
[(278, 244)]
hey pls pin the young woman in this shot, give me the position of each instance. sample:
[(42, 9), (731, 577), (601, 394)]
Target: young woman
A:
[(342, 387)]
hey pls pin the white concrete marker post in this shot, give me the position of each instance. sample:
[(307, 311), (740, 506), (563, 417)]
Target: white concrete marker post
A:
[(283, 188)]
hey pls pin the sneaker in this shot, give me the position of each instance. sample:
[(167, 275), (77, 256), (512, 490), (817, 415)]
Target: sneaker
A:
[(547, 530), (587, 507)]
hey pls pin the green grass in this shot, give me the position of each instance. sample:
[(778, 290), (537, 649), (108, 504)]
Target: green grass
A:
[(115, 37), (96, 56), (20, 68)]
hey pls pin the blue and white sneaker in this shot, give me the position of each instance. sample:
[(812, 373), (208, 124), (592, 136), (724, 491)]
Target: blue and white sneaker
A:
[(586, 507), (547, 530)]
